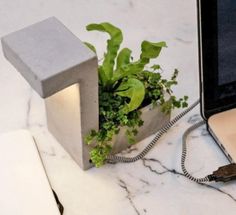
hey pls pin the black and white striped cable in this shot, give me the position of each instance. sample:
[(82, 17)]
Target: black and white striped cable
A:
[(184, 154), (158, 135)]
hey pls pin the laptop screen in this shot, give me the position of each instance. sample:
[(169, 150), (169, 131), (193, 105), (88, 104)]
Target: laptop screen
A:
[(226, 41), (217, 49)]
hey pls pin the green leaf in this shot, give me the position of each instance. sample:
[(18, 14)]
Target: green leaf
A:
[(150, 50), (90, 137), (90, 46), (156, 67), (185, 98), (101, 74), (175, 74), (99, 154), (123, 58), (128, 70), (113, 45), (133, 89)]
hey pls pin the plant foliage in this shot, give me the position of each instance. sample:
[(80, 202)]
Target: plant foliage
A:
[(125, 86)]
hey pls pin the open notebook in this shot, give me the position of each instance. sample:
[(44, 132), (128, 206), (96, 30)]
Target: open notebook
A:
[(24, 186)]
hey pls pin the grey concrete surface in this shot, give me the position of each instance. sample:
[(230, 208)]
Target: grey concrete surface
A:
[(63, 70), (48, 55)]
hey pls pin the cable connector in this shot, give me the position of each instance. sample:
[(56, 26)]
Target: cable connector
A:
[(224, 174)]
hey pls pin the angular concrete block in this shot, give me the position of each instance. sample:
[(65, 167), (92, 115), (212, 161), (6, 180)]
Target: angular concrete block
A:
[(63, 70), (48, 55)]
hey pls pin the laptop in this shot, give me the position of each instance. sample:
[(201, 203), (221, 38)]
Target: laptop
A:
[(217, 54)]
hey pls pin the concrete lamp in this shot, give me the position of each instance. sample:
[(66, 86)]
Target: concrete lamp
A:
[(63, 71)]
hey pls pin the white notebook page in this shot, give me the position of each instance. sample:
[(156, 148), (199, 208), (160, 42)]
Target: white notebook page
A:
[(24, 187)]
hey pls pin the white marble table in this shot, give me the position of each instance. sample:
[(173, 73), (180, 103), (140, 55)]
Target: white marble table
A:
[(154, 185)]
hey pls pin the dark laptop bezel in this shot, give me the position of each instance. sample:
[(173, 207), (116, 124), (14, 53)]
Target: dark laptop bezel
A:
[(213, 99)]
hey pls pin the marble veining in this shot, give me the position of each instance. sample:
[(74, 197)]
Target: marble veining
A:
[(123, 185), (147, 162), (155, 184)]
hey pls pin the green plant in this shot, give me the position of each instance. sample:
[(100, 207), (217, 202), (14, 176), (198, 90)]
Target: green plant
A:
[(125, 86)]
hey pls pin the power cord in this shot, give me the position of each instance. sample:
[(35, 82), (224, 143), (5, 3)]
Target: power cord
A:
[(224, 174), (184, 153)]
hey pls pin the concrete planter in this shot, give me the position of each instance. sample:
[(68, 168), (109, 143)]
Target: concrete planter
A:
[(64, 71), (153, 119)]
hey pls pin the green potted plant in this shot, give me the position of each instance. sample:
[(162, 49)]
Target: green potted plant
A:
[(127, 89)]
